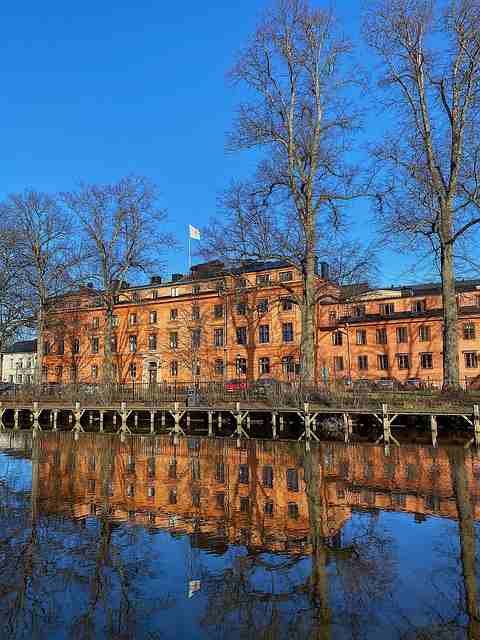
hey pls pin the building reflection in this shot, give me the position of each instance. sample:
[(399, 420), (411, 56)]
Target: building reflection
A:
[(259, 495)]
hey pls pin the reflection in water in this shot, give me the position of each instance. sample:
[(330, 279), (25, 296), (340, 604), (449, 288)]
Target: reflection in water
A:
[(146, 538)]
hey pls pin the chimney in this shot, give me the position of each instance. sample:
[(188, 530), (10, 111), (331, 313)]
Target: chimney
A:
[(176, 277), (325, 270), (156, 280)]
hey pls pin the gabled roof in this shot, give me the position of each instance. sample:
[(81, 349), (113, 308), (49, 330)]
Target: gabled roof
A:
[(23, 346)]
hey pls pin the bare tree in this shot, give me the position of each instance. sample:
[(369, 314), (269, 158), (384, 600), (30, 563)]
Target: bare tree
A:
[(293, 71), (45, 254), (430, 73), (13, 316), (123, 232)]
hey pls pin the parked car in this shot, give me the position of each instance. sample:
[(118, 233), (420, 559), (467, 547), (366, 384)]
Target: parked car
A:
[(363, 384), (235, 385), (386, 384), (414, 383)]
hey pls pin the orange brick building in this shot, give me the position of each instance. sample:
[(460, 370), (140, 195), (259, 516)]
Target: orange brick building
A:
[(216, 324)]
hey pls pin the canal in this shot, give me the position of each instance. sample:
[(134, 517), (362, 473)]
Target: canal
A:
[(151, 537)]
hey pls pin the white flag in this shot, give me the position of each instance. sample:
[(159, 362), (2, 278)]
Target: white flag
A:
[(194, 232), (193, 587)]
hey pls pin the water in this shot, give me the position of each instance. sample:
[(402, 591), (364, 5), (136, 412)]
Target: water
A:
[(101, 538)]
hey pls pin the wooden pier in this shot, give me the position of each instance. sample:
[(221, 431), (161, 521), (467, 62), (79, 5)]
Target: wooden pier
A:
[(176, 418)]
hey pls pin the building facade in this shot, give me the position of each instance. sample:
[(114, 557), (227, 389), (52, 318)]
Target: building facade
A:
[(216, 324), (18, 362)]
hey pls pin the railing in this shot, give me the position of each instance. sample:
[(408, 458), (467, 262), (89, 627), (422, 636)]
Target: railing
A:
[(277, 394)]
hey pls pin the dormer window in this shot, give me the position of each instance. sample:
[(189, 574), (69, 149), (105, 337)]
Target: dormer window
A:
[(285, 276), (387, 308), (263, 279), (419, 306)]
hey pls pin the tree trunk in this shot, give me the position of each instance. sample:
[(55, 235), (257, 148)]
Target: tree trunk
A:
[(451, 376), (107, 348), (37, 376), (467, 533), (307, 313)]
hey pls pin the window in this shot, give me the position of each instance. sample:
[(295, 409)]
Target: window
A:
[(152, 342), (264, 333), (244, 504), (288, 365), (152, 317), (46, 347), (268, 508), (361, 336), (172, 496), (412, 473), (132, 341), (262, 306), (218, 311), (267, 477), (398, 499), (241, 283), (264, 366), (285, 276), (19, 377), (196, 289), (195, 468), (95, 344), (286, 304), (243, 473), (241, 335), (471, 359), (174, 368), (387, 308), (332, 316), (155, 294), (477, 301), (293, 510), (337, 338), (196, 337), (424, 333), (220, 500), (135, 296), (218, 367), (469, 331), (218, 337), (174, 292), (419, 306), (338, 363), (382, 361), (359, 310), (403, 361), (94, 372), (151, 467), (114, 321), (220, 472), (241, 366), (292, 479), (287, 332), (59, 371), (95, 322), (133, 318), (60, 349), (426, 361), (219, 286), (263, 278), (133, 371), (363, 363), (173, 314), (381, 336), (113, 344), (173, 339), (195, 312), (402, 335), (172, 470), (195, 497), (241, 308)]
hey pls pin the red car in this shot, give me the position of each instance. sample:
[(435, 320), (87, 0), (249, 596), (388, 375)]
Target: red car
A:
[(237, 385)]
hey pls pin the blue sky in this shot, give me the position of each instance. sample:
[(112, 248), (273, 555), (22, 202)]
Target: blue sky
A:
[(92, 91)]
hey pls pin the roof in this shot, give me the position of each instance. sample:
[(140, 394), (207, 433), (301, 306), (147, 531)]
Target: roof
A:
[(406, 290), (23, 346)]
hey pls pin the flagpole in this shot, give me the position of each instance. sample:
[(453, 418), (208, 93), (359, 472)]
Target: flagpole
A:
[(189, 253)]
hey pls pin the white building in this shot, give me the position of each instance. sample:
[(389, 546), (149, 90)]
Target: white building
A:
[(18, 362)]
